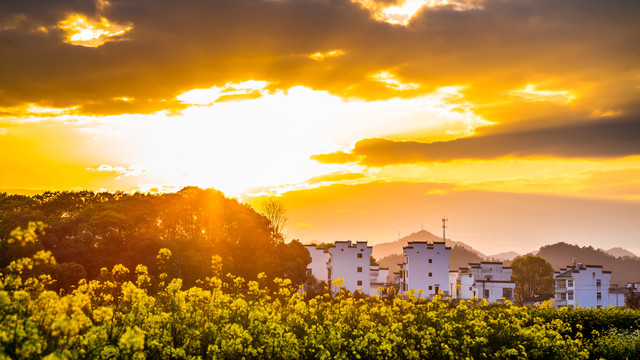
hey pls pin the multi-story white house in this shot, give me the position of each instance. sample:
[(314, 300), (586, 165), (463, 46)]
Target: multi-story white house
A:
[(485, 280), (585, 285), (318, 267), (426, 267), (351, 262)]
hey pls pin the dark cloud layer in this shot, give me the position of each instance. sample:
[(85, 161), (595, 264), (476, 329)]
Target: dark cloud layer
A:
[(177, 46), (604, 139)]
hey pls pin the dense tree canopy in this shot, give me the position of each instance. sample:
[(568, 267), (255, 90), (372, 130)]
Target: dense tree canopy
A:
[(533, 276), (93, 230)]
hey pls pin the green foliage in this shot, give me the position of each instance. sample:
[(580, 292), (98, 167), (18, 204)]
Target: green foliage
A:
[(632, 297), (618, 345), (90, 231), (533, 276)]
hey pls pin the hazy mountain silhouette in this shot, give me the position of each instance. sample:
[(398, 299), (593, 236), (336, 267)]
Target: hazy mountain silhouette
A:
[(624, 269), (504, 256), (389, 255), (389, 248), (620, 252)]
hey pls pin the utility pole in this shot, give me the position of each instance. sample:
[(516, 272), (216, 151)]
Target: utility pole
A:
[(444, 227)]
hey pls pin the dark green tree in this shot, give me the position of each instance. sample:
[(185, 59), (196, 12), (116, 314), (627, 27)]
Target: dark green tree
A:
[(632, 298), (533, 276)]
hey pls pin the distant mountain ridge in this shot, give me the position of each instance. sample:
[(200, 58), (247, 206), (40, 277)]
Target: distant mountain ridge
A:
[(624, 269), (624, 265), (395, 247), (620, 252), (504, 256)]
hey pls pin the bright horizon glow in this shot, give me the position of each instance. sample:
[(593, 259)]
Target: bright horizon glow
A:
[(262, 142)]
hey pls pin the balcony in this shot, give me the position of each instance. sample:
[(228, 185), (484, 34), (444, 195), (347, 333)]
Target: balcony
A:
[(561, 285)]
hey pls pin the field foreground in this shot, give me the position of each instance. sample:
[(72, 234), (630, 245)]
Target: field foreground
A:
[(124, 315)]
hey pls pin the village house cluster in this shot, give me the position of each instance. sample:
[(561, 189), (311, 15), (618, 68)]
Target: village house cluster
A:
[(425, 271)]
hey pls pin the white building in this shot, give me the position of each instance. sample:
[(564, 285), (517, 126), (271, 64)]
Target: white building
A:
[(426, 267), (378, 279), (399, 278), (586, 286), (485, 280), (318, 267), (351, 263), (454, 290)]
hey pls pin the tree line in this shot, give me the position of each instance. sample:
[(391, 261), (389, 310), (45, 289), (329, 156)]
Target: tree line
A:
[(87, 231)]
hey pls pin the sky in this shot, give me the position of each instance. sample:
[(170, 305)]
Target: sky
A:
[(518, 120)]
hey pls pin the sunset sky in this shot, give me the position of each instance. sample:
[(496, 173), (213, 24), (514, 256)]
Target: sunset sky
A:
[(519, 120)]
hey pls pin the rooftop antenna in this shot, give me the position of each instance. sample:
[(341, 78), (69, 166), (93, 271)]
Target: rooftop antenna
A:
[(444, 227)]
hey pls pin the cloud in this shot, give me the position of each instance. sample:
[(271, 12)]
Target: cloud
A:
[(91, 33), (172, 48), (603, 139), (531, 93), (132, 170), (338, 157), (335, 178)]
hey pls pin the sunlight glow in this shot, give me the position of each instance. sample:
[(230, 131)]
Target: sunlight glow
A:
[(319, 56), (39, 110), (209, 96), (123, 98), (132, 170), (390, 81), (530, 93), (90, 33), (402, 13), (250, 145)]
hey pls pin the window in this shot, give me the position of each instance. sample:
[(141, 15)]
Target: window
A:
[(430, 287), (570, 283), (598, 283), (430, 261), (570, 296), (486, 293), (430, 274), (359, 255), (359, 268), (599, 296), (507, 293), (359, 282), (470, 288)]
